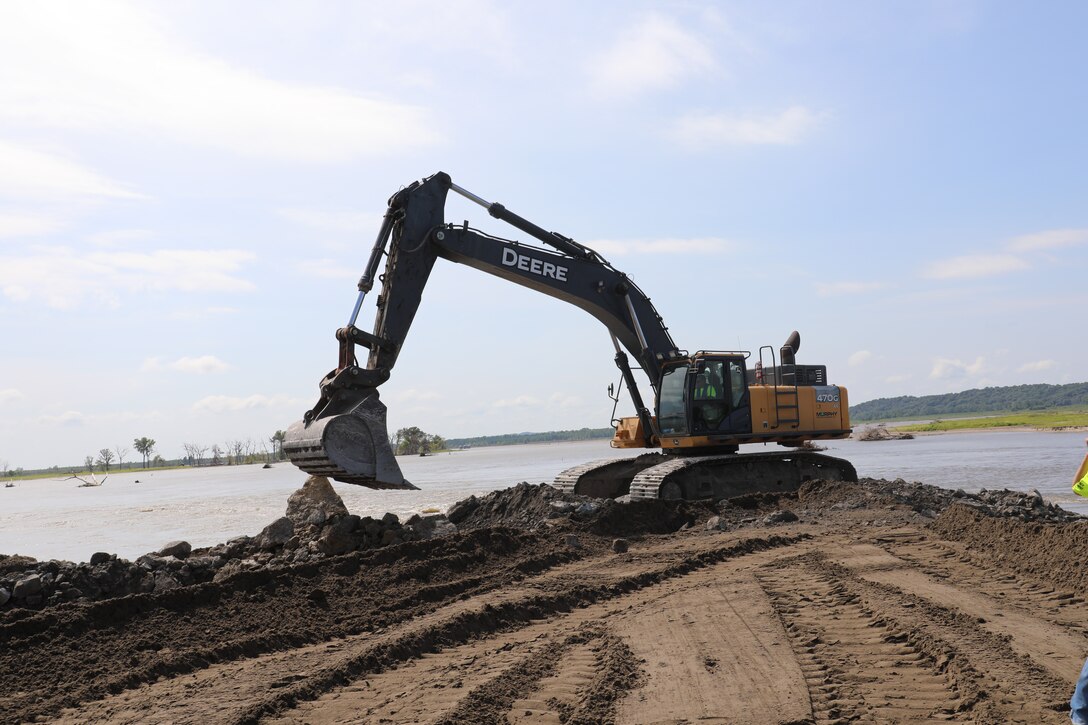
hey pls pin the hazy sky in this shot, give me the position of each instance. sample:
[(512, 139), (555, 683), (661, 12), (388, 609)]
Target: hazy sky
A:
[(189, 192)]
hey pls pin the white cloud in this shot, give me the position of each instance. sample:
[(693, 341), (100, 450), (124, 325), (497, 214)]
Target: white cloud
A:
[(69, 419), (120, 237), (10, 395), (946, 368), (113, 66), (973, 266), (702, 130), (559, 400), (229, 403), (201, 313), (334, 221), (521, 401), (412, 395), (61, 277), (839, 289), (198, 365), (1035, 367), (655, 54), (1051, 239), (22, 225), (898, 378), (619, 247), (328, 269), (859, 358), (30, 174)]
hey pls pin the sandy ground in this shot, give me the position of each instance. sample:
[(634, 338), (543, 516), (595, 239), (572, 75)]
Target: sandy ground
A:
[(870, 614)]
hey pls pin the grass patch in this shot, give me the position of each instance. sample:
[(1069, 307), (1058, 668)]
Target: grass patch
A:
[(1055, 418)]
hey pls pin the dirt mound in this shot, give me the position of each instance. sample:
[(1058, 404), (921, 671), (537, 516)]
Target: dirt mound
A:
[(1052, 552), (81, 651), (535, 507)]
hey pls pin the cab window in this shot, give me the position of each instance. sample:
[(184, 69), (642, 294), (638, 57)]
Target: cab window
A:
[(737, 382), (671, 416)]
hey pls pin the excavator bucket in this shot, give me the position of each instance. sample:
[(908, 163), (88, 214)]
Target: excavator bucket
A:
[(351, 445)]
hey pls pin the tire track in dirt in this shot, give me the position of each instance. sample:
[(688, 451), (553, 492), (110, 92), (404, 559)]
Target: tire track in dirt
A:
[(858, 664), (1014, 618), (994, 681), (274, 682), (510, 613), (951, 561)]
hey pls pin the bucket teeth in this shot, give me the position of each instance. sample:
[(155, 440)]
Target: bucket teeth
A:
[(351, 447)]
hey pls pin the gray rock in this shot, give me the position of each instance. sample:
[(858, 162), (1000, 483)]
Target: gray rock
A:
[(99, 557), (389, 538), (587, 508), (5, 595), (563, 507), (620, 545), (277, 533), (315, 503), (390, 520), (461, 510), (337, 538), (780, 517), (34, 600), (28, 586), (72, 593), (444, 527), (164, 582), (178, 549), (713, 522), (571, 540)]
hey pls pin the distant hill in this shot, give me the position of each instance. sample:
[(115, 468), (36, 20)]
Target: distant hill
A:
[(979, 400), (513, 439)]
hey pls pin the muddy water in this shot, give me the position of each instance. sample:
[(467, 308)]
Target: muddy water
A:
[(136, 512)]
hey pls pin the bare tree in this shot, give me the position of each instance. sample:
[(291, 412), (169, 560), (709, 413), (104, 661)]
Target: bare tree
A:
[(235, 447), (121, 453), (88, 463), (192, 453), (217, 455), (105, 457), (3, 468)]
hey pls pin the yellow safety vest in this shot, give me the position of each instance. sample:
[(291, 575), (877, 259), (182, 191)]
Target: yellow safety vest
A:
[(1080, 481)]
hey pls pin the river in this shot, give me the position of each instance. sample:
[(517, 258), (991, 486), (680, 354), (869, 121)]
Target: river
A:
[(135, 512)]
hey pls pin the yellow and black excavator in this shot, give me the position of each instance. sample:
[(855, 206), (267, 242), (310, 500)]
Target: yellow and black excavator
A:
[(706, 404)]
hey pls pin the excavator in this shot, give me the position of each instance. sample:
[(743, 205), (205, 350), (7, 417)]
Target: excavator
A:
[(705, 405)]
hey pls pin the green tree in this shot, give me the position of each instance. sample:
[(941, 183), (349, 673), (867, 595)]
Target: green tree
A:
[(277, 444), (145, 447)]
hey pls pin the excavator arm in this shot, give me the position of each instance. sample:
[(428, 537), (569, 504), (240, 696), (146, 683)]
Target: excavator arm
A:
[(344, 435)]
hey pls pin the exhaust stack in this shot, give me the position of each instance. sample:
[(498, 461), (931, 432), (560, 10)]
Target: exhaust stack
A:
[(787, 354)]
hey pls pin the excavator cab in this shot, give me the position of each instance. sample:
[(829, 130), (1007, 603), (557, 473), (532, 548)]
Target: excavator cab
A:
[(706, 395)]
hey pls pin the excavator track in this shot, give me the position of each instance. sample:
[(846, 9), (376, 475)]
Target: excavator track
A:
[(653, 476), (607, 477)]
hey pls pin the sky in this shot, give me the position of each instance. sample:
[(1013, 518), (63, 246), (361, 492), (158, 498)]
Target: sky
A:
[(189, 193)]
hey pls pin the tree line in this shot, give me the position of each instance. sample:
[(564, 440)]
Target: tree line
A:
[(512, 439), (1010, 398), (232, 452), (412, 441)]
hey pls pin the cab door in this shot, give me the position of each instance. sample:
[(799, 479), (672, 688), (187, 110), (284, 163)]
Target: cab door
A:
[(718, 393)]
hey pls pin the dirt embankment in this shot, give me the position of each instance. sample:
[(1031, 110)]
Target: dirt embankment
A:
[(876, 601)]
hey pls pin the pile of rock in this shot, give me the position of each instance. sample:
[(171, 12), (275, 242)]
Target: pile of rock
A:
[(316, 525), (882, 432), (1029, 506)]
